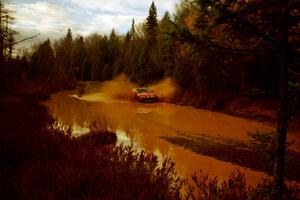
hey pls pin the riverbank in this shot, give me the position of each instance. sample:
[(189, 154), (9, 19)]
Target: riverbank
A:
[(40, 162), (258, 106), (244, 154)]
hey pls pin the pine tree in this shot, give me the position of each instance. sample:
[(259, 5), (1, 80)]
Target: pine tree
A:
[(112, 64), (167, 43), (6, 40), (151, 25), (238, 28), (132, 30), (125, 56), (68, 47), (42, 60), (132, 56), (149, 65), (64, 50), (79, 57)]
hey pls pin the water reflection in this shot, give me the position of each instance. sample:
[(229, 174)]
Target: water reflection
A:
[(142, 126)]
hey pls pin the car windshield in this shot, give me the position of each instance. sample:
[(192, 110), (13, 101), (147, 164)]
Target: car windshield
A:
[(143, 90)]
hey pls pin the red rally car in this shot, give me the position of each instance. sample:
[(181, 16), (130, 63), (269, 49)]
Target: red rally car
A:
[(144, 94)]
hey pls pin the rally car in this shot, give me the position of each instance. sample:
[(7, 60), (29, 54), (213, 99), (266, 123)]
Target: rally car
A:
[(144, 94)]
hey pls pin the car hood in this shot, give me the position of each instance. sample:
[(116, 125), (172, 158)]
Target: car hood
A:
[(146, 94)]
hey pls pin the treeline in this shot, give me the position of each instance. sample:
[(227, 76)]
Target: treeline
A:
[(7, 42), (231, 48), (143, 54), (216, 49)]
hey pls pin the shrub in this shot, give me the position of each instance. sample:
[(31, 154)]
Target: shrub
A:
[(202, 187), (38, 162)]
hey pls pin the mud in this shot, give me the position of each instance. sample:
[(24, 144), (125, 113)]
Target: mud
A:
[(239, 153)]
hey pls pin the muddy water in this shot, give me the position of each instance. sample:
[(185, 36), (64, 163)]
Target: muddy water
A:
[(142, 125)]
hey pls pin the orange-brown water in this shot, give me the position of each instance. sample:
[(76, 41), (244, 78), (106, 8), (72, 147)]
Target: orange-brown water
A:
[(143, 125)]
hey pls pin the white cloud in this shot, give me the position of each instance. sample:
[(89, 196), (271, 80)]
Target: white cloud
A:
[(105, 23), (113, 6), (41, 16), (139, 7), (52, 18)]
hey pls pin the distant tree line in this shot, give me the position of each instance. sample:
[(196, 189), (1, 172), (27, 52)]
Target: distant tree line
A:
[(6, 32), (142, 54), (207, 47), (226, 54), (7, 41)]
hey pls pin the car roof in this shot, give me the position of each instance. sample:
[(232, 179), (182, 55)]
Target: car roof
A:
[(138, 89)]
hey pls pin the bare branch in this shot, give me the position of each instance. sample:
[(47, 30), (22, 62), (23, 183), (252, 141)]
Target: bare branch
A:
[(29, 38)]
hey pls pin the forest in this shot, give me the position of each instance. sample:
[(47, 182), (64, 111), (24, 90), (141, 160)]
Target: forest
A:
[(215, 51), (230, 48)]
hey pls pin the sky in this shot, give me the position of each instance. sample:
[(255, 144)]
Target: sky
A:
[(52, 18)]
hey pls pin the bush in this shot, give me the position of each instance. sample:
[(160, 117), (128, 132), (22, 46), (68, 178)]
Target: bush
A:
[(38, 162), (42, 163), (202, 187)]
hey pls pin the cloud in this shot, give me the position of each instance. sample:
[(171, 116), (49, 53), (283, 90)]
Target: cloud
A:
[(114, 6), (118, 14), (41, 16), (104, 23), (132, 7), (52, 18)]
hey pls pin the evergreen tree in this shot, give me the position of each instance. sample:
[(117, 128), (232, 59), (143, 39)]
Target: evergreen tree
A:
[(64, 50), (132, 31), (126, 55), (111, 60), (167, 44), (68, 47), (149, 66), (42, 60), (241, 28), (79, 58), (7, 41), (134, 50), (152, 25)]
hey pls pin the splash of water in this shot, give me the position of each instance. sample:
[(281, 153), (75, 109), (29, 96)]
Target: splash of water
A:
[(164, 89), (121, 88)]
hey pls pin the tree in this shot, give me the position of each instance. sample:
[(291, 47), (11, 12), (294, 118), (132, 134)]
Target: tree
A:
[(149, 65), (79, 58), (152, 25), (168, 44), (42, 60), (250, 27), (68, 57), (125, 55), (133, 48), (113, 66), (64, 57), (6, 40), (282, 123)]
